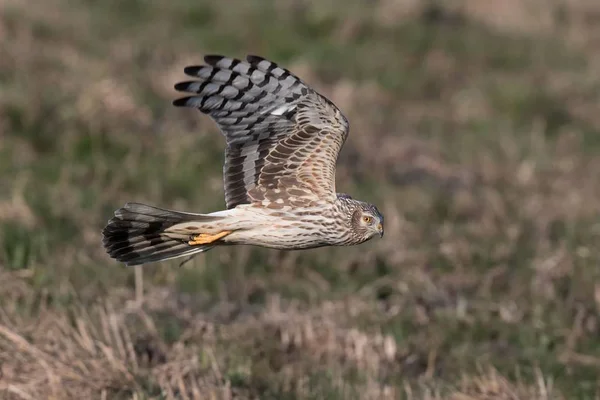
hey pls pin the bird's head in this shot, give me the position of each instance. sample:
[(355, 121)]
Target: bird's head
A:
[(365, 219)]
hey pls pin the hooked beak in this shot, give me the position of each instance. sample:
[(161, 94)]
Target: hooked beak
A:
[(380, 229)]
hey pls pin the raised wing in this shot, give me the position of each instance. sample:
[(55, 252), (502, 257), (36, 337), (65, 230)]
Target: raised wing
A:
[(283, 138)]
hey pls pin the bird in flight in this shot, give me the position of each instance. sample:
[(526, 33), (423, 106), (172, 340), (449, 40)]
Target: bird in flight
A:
[(283, 140)]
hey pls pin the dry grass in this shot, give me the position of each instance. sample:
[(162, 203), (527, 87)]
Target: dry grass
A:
[(474, 128)]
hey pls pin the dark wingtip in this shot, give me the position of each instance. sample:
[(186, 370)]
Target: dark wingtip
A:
[(254, 59), (183, 86), (182, 102), (213, 59), (192, 70)]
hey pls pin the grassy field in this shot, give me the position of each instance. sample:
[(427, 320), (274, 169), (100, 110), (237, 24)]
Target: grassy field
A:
[(474, 128)]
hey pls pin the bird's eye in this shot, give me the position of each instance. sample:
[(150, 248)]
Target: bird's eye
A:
[(367, 219)]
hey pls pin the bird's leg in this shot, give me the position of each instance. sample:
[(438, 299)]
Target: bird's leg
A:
[(206, 238)]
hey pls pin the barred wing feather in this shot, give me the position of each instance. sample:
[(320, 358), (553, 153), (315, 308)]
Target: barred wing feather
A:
[(283, 138)]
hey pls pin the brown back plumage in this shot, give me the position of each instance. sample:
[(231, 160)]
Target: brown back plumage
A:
[(283, 138)]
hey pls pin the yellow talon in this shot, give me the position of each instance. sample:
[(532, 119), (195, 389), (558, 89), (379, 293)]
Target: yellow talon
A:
[(206, 238)]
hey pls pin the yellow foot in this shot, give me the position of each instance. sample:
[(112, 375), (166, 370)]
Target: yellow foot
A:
[(206, 238)]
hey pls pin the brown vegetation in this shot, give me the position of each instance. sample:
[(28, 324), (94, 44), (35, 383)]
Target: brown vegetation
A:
[(474, 128)]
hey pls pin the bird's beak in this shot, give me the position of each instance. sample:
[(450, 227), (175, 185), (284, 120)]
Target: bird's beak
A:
[(380, 229)]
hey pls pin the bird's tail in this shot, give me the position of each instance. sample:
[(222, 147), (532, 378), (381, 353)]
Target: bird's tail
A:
[(140, 234)]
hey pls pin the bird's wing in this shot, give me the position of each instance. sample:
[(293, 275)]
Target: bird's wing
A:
[(283, 138)]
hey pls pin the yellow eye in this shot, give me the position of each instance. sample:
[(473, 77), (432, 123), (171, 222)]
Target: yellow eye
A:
[(367, 219)]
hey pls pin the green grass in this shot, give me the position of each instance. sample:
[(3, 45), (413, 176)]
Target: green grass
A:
[(479, 143)]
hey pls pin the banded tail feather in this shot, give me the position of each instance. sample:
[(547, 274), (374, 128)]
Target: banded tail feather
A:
[(140, 234)]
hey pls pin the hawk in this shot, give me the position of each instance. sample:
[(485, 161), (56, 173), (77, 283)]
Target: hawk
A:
[(283, 140)]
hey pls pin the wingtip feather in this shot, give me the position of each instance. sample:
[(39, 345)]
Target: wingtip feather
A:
[(182, 102), (192, 70), (213, 59), (183, 86), (254, 59)]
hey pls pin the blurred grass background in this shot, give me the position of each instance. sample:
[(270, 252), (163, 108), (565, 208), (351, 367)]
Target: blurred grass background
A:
[(474, 128)]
